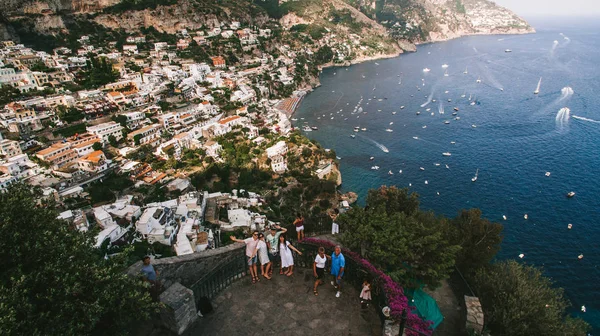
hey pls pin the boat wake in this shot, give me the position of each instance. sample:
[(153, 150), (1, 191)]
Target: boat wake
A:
[(585, 119), (380, 146), (565, 93), (554, 46), (430, 97), (489, 78), (562, 118), (441, 108)]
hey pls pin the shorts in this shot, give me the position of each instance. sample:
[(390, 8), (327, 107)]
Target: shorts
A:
[(299, 228), (320, 273), (252, 260), (273, 256)]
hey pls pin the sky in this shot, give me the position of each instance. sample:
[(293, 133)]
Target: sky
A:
[(536, 8)]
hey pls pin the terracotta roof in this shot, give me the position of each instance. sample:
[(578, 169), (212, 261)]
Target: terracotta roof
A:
[(226, 120), (52, 149), (94, 156)]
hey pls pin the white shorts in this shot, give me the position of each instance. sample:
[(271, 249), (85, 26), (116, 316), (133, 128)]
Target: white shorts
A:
[(335, 228), (299, 228)]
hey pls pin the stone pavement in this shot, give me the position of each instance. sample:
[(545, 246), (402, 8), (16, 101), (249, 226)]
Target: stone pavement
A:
[(287, 306)]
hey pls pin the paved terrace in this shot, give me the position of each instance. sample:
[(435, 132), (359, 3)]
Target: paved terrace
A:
[(287, 306)]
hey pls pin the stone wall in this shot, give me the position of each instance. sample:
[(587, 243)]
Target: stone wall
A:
[(475, 318), (188, 269), (179, 310)]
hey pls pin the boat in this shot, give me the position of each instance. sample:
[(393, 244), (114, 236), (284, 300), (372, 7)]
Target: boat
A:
[(425, 126), (391, 123), (446, 154), (474, 126), (436, 164), (337, 157), (421, 168), (394, 112), (363, 129), (504, 217), (456, 109), (315, 127), (569, 226), (426, 70), (400, 171), (306, 128), (466, 70), (384, 149), (547, 174), (452, 142), (457, 118), (444, 66), (375, 168), (352, 136), (475, 177), (416, 138), (521, 255), (525, 216), (372, 158), (426, 182), (449, 100), (537, 89), (507, 50), (294, 119), (390, 173), (570, 194), (402, 107), (446, 122), (447, 167), (389, 130), (446, 74), (454, 113), (418, 113), (581, 257), (478, 80), (428, 109)]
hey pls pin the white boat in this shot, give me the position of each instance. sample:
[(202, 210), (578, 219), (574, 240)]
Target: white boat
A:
[(426, 182), (384, 149), (452, 142), (444, 66), (507, 50), (416, 138), (446, 154), (315, 127), (436, 164), (466, 70), (570, 226), (547, 174), (402, 107), (418, 113), (478, 80), (447, 167), (352, 136), (475, 177), (421, 168), (391, 123), (537, 89), (581, 257), (428, 109), (394, 112), (504, 217), (446, 74), (306, 128), (294, 119), (389, 130), (372, 158), (474, 126), (426, 70), (390, 173), (363, 129), (337, 157), (446, 122), (400, 171), (525, 216), (425, 126), (375, 168), (570, 194)]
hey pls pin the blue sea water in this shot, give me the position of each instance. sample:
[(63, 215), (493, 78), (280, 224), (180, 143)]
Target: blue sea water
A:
[(519, 136)]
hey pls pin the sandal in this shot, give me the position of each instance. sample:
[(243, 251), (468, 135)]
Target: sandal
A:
[(253, 280), (316, 293)]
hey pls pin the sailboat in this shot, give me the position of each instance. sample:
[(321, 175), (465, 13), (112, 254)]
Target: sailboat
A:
[(475, 177), (446, 73), (537, 90), (466, 70)]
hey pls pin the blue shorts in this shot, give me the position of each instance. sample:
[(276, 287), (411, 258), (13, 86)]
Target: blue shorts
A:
[(252, 261)]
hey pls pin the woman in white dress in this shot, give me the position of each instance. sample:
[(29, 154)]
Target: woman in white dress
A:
[(285, 251), (263, 256)]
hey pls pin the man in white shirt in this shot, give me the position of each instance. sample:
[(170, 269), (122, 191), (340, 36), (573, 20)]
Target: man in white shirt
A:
[(272, 241)]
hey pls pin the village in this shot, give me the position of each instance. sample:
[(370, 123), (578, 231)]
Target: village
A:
[(148, 115)]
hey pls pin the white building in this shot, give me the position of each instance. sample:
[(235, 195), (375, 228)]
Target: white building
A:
[(105, 130)]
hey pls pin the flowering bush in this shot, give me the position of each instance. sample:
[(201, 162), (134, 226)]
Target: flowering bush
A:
[(394, 293)]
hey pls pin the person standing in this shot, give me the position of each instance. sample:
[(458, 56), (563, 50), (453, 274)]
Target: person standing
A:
[(365, 293), (335, 227), (299, 224), (251, 245), (272, 242), (337, 269), (150, 275), (263, 256), (287, 259), (319, 268)]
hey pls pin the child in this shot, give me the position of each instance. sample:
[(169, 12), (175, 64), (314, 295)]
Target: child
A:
[(365, 294)]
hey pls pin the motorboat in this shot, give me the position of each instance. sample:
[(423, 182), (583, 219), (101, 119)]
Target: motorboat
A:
[(389, 130), (474, 126), (426, 182), (454, 113), (547, 174), (416, 138), (504, 217), (294, 119), (452, 142), (444, 66), (352, 136), (421, 168), (446, 122), (306, 128), (400, 171), (372, 158), (537, 89), (478, 80), (446, 74), (570, 194), (581, 257), (314, 128), (475, 177), (363, 129), (569, 226), (507, 51), (436, 164), (402, 107), (525, 216), (457, 118), (391, 122), (418, 113), (456, 109), (426, 70), (375, 168), (466, 70), (394, 112), (390, 173), (446, 154)]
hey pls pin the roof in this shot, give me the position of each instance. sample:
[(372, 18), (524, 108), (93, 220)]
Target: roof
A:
[(229, 119), (94, 156), (114, 93), (53, 148)]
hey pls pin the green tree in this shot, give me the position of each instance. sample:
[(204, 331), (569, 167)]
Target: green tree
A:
[(60, 285), (98, 72), (136, 139), (323, 55), (69, 114), (8, 93), (409, 244), (112, 140), (479, 238), (518, 300), (97, 146)]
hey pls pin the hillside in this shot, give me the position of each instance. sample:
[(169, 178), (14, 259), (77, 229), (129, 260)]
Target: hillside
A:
[(386, 26)]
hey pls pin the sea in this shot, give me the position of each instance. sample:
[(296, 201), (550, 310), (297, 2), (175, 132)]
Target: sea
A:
[(528, 150)]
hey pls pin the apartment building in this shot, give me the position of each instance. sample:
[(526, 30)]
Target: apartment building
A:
[(105, 130)]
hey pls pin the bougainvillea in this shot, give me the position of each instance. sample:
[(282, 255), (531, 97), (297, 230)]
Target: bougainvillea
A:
[(394, 293)]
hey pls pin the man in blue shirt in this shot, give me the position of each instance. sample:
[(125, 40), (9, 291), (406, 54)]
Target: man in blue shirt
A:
[(337, 269), (149, 273)]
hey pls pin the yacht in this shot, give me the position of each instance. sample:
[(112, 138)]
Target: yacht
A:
[(426, 182), (389, 130), (478, 80), (570, 194), (391, 122), (402, 107), (363, 129), (426, 70), (475, 177), (474, 126), (352, 136), (446, 154), (452, 142), (416, 138), (315, 127), (547, 174), (421, 168), (372, 158), (570, 226), (507, 50), (400, 171), (375, 168), (418, 112), (447, 167), (456, 109), (306, 128), (454, 113), (394, 112), (504, 217), (294, 119), (425, 126), (446, 122)]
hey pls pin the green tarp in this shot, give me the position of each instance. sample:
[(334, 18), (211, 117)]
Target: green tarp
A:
[(427, 308)]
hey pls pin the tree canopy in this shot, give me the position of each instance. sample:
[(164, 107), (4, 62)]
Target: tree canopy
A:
[(53, 282), (518, 300)]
